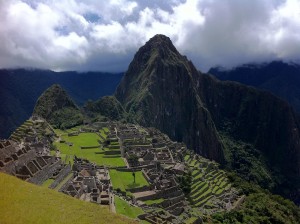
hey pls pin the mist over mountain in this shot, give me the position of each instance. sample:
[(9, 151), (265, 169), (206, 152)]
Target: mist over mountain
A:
[(280, 78), (223, 121), (20, 89)]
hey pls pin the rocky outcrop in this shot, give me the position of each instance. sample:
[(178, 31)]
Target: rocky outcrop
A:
[(159, 90)]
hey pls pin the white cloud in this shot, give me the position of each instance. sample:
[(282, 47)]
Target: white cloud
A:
[(104, 35)]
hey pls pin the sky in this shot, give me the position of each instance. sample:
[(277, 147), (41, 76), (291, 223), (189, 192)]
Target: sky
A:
[(98, 35)]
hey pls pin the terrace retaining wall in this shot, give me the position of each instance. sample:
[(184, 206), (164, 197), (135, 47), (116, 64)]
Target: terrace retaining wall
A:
[(61, 176)]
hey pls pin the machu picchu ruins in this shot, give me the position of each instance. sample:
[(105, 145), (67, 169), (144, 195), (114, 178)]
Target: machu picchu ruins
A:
[(88, 162)]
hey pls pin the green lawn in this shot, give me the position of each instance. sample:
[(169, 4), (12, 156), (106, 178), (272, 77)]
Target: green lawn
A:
[(150, 202), (94, 155), (122, 207), (23, 202), (124, 180)]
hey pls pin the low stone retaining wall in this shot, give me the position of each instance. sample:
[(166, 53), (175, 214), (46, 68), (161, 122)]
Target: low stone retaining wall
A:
[(62, 174), (89, 147), (139, 189)]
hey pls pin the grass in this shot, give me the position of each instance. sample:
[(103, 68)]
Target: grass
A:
[(156, 201), (63, 181), (122, 207), (96, 155), (48, 182), (22, 202), (124, 180)]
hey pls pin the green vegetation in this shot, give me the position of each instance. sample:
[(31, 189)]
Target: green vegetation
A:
[(124, 180), (22, 202), (203, 182), (185, 182), (58, 108), (107, 106), (28, 128), (96, 154), (248, 162), (122, 207), (259, 206), (155, 201), (48, 182), (66, 118)]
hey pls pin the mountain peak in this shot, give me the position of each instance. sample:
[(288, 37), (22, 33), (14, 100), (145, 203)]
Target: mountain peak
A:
[(160, 40), (57, 107)]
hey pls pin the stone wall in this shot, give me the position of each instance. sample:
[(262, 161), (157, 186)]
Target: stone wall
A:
[(139, 189), (25, 158), (44, 174), (62, 175), (89, 147)]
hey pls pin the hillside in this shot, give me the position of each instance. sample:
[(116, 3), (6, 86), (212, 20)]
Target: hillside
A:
[(58, 108), (280, 78), (158, 90), (163, 89), (107, 106), (20, 89), (22, 202)]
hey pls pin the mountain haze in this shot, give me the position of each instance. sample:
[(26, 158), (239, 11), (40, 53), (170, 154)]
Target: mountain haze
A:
[(280, 78), (163, 89), (20, 89)]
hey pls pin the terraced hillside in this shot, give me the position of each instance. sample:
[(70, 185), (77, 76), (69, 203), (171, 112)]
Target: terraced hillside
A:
[(97, 147), (211, 189), (140, 173), (32, 128), (115, 146)]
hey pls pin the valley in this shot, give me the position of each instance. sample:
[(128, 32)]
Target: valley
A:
[(172, 145)]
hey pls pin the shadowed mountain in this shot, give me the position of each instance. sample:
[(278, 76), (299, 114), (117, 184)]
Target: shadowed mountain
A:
[(278, 77), (58, 108), (163, 89), (20, 89), (159, 90)]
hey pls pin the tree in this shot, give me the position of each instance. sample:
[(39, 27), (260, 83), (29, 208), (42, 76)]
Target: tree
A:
[(133, 174), (133, 160)]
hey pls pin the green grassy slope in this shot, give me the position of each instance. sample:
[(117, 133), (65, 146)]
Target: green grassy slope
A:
[(22, 202)]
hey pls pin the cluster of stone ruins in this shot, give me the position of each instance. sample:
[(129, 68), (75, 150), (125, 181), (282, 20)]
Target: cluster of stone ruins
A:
[(160, 160)]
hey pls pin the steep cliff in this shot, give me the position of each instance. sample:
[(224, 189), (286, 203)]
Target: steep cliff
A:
[(158, 89), (163, 89)]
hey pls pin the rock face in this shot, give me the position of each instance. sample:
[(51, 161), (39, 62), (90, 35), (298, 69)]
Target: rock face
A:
[(159, 90), (58, 108), (163, 89)]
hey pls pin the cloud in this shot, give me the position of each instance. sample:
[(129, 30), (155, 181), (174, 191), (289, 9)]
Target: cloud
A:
[(104, 35)]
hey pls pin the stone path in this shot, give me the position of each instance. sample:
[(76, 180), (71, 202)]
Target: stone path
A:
[(138, 195), (112, 205)]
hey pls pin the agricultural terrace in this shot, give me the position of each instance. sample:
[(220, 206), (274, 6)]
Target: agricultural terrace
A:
[(97, 152)]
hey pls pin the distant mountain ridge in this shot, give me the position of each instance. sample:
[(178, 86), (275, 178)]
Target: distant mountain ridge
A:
[(280, 78), (20, 89), (163, 89)]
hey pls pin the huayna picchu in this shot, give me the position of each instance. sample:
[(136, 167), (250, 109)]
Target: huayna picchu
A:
[(173, 145), (163, 89)]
